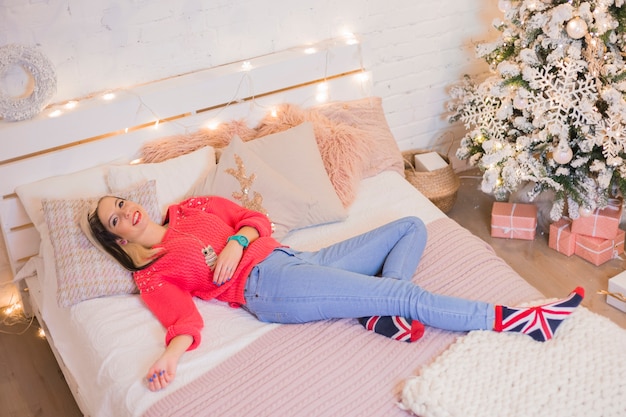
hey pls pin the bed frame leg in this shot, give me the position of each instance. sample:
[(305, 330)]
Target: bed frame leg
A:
[(24, 294)]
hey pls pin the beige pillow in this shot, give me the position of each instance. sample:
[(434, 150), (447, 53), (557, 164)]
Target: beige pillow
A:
[(246, 179), (174, 177), (295, 155), (83, 271)]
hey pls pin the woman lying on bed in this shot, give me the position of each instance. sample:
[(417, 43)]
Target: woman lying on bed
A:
[(210, 247)]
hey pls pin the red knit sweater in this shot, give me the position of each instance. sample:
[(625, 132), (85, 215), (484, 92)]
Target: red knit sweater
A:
[(169, 284)]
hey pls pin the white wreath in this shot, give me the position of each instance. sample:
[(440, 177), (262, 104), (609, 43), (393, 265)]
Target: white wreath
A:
[(36, 65)]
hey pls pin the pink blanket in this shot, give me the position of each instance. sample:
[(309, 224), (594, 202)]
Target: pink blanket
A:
[(336, 368)]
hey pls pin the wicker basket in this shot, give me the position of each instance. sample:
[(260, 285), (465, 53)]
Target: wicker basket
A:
[(439, 186)]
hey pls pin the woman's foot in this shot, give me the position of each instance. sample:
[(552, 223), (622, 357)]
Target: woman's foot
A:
[(394, 327), (538, 322)]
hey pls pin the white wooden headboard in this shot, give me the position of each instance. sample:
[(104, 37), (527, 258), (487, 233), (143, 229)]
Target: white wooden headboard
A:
[(67, 137)]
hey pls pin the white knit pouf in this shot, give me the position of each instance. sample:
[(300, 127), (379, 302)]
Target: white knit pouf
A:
[(580, 372)]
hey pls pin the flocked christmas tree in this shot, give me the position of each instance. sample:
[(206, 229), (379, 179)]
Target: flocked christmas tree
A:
[(552, 112)]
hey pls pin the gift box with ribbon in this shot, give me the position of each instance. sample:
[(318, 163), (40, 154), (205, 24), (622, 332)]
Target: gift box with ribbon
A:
[(616, 294), (513, 220), (561, 237), (602, 223), (598, 250)]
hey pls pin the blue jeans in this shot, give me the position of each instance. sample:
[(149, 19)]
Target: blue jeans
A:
[(367, 275)]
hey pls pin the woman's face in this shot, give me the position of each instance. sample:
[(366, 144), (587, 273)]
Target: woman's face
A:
[(123, 218)]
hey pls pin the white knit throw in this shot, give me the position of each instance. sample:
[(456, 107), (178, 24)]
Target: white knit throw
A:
[(580, 372)]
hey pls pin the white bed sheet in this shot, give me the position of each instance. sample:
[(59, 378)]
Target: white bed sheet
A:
[(108, 343)]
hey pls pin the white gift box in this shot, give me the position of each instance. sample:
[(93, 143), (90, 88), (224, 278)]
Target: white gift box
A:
[(429, 161), (616, 295)]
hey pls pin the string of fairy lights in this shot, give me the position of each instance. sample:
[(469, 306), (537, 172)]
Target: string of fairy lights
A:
[(13, 319), (322, 92)]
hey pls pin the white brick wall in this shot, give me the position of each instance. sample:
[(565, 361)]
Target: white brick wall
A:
[(415, 48)]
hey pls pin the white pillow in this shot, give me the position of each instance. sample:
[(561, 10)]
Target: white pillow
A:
[(174, 177), (86, 183), (245, 179)]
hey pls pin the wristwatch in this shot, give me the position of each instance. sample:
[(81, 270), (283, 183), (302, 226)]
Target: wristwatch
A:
[(241, 239)]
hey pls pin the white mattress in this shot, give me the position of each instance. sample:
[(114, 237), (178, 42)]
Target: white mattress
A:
[(109, 343)]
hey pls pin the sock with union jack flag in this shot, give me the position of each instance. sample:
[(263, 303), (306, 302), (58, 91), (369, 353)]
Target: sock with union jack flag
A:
[(394, 327), (538, 322)]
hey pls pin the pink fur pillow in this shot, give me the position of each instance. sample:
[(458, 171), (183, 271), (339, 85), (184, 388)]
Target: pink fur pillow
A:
[(353, 137), (168, 147), (368, 117)]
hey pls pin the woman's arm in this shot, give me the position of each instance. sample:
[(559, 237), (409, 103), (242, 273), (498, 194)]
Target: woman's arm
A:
[(177, 312), (229, 258), (163, 371), (238, 217)]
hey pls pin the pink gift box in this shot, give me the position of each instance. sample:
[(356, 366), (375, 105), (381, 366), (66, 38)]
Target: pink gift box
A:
[(602, 223), (598, 250), (513, 220), (561, 237)]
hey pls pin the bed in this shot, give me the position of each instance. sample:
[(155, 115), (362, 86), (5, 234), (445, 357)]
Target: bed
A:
[(104, 338)]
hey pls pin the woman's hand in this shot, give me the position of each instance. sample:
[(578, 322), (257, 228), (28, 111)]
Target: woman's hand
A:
[(163, 371), (228, 259), (227, 262)]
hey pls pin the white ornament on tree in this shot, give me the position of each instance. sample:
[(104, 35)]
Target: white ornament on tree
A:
[(504, 5), (563, 153), (585, 211), (520, 102), (576, 28)]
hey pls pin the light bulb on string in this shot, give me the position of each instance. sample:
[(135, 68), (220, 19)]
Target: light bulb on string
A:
[(363, 77), (14, 308), (350, 38), (213, 125), (322, 92)]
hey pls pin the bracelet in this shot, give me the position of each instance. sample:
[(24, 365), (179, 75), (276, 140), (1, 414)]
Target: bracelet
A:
[(241, 239)]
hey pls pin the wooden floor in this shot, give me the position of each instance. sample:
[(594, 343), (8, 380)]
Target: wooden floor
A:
[(31, 383)]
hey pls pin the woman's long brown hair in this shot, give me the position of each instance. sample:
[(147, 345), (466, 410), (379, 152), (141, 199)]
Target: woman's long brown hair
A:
[(133, 257)]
